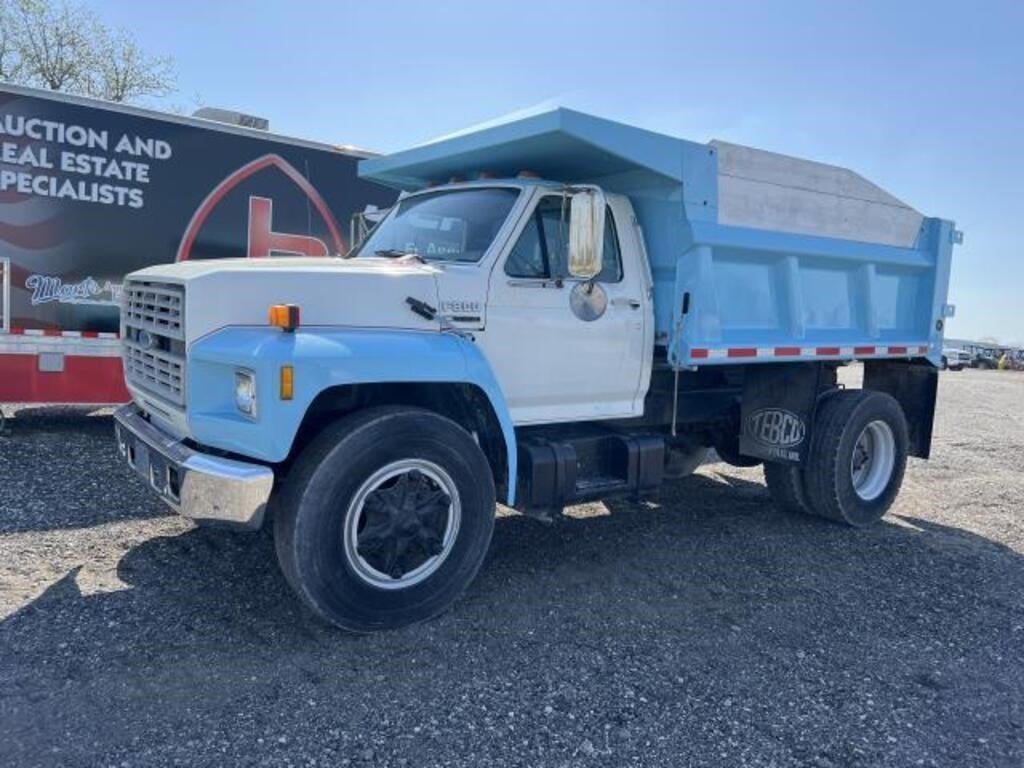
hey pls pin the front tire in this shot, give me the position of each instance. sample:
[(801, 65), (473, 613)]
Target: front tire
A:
[(858, 455), (385, 518)]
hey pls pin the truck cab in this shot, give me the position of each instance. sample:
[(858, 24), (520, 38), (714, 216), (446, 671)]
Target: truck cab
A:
[(556, 310), (502, 257)]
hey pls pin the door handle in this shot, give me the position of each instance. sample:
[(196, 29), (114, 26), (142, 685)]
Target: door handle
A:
[(622, 301)]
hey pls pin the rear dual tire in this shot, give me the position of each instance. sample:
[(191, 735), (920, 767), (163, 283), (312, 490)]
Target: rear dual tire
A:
[(786, 486), (856, 461)]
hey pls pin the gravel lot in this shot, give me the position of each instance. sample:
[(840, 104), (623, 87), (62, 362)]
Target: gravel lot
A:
[(700, 628)]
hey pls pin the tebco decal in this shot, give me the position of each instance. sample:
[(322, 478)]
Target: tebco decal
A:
[(775, 428)]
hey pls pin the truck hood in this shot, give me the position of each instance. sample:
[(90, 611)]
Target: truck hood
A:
[(365, 292)]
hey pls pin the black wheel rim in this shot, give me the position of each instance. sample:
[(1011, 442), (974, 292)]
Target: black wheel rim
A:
[(402, 524)]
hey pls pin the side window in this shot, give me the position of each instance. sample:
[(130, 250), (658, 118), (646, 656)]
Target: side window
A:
[(611, 262), (556, 233), (527, 258), (542, 249)]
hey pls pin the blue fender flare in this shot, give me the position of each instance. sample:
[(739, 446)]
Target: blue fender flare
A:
[(321, 358)]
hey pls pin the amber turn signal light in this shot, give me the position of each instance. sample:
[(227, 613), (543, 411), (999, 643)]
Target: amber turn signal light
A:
[(285, 316), (287, 382)]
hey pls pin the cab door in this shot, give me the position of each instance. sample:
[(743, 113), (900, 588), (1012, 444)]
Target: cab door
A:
[(563, 350)]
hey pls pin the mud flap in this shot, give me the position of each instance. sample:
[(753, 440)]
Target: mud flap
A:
[(914, 384), (777, 411)]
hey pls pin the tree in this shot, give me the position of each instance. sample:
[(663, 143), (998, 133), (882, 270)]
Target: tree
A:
[(64, 47), (10, 62), (54, 44), (124, 72)]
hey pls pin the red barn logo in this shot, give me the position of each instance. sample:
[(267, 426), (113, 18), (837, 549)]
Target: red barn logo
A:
[(262, 239)]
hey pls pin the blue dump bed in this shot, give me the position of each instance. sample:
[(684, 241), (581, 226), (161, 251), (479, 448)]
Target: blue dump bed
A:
[(772, 257)]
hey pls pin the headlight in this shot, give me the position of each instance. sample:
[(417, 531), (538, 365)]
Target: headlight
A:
[(245, 392)]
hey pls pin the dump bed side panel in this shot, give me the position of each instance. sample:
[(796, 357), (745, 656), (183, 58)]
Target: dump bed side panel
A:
[(757, 295)]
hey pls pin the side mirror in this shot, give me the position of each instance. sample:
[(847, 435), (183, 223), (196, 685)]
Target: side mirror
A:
[(586, 232)]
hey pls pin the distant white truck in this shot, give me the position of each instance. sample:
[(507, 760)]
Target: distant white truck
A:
[(954, 359), (559, 309)]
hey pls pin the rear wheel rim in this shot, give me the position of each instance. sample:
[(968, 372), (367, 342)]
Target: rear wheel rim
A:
[(873, 460), (402, 523)]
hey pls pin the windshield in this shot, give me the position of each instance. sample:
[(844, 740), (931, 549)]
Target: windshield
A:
[(454, 225)]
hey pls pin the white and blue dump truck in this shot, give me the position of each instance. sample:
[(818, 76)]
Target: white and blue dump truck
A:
[(558, 309)]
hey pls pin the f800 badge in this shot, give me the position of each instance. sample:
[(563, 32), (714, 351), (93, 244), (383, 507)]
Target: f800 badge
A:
[(775, 428)]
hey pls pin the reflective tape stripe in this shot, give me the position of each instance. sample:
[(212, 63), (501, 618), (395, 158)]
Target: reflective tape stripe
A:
[(57, 332), (741, 353)]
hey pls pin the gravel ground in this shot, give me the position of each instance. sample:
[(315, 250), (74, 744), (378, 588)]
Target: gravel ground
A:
[(700, 628)]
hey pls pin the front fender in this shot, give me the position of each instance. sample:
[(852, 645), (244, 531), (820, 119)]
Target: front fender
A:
[(322, 358)]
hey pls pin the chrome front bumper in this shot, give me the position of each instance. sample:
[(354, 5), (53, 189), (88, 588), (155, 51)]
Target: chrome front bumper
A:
[(197, 485)]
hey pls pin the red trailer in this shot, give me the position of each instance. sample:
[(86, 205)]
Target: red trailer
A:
[(90, 191)]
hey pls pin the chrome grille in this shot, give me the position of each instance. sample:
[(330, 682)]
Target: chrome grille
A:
[(154, 338)]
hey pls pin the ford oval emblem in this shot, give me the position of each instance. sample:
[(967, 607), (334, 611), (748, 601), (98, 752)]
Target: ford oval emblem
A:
[(145, 339), (775, 428)]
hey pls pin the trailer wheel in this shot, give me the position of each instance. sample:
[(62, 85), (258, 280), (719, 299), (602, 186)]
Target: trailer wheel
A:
[(858, 455), (786, 486), (385, 518)]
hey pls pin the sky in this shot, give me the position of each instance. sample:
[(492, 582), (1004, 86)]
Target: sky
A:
[(925, 99)]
